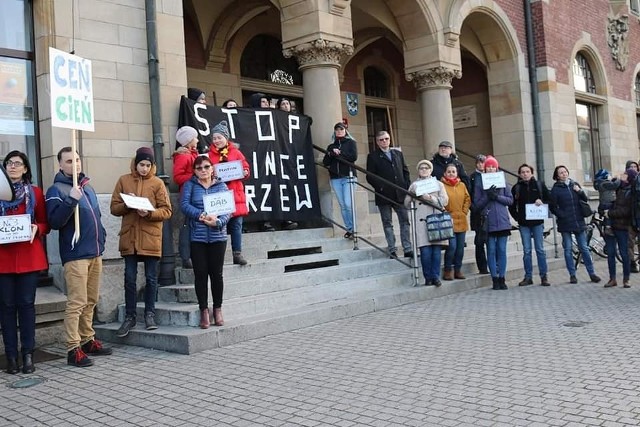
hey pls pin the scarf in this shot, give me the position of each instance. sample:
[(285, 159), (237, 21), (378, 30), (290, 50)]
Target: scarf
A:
[(24, 194), (224, 153), (451, 182)]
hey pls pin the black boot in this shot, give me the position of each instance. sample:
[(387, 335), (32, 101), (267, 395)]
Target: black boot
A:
[(496, 283), (503, 285), (27, 364), (12, 365)]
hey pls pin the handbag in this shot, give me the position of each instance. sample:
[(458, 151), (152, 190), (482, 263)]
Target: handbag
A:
[(439, 226), (585, 209)]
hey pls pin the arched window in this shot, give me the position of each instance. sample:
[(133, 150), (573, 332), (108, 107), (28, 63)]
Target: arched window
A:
[(582, 76), (587, 117), (262, 59), (376, 83)]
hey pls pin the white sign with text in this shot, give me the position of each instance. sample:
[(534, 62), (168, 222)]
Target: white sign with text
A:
[(15, 228), (426, 186), (229, 171), (533, 212), (493, 178), (135, 202), (70, 80), (219, 203)]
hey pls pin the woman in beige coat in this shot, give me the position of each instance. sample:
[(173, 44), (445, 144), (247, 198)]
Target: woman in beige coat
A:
[(430, 252)]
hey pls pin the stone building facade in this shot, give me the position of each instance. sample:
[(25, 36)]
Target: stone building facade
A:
[(427, 71)]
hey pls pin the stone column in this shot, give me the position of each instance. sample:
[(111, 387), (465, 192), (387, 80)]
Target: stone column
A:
[(434, 86)]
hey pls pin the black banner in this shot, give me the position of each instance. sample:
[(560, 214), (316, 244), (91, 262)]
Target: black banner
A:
[(282, 183)]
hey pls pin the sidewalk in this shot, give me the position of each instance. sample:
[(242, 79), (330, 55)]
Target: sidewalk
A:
[(567, 355)]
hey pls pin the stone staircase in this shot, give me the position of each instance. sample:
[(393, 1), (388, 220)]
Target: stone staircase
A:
[(296, 279)]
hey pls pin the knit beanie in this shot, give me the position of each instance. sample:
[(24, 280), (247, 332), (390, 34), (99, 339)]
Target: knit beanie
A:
[(194, 93), (145, 153), (222, 128), (491, 161), (185, 135), (631, 162), (424, 162)]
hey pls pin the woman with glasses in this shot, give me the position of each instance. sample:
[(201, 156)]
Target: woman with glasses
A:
[(21, 264), (208, 237)]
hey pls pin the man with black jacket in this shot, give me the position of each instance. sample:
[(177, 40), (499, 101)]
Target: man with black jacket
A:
[(390, 165), (443, 158)]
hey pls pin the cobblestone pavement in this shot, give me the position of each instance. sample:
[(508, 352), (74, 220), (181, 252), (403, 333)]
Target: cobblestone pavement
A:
[(481, 358)]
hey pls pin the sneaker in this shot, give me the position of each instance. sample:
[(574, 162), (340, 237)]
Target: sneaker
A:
[(594, 278), (127, 325), (393, 255), (79, 358), (611, 283), (526, 282), (544, 281), (573, 279), (95, 348), (150, 321), (625, 283)]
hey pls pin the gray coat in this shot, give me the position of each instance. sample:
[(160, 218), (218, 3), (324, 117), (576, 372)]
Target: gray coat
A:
[(423, 210)]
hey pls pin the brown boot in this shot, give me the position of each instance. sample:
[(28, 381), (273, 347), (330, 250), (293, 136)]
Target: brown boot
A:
[(238, 258), (217, 315), (448, 275), (459, 275), (204, 319), (611, 283)]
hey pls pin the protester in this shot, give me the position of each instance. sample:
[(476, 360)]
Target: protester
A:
[(493, 204), (458, 205), (200, 97), (620, 215), (479, 240), (259, 100), (430, 252), (230, 103), (632, 244), (444, 157), (208, 238), (81, 259), (141, 235), (564, 203), (183, 159), (284, 104), (606, 186), (21, 263), (344, 147), (223, 150), (389, 165)]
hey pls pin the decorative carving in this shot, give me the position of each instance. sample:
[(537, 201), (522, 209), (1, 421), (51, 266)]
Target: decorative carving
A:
[(337, 7), (618, 40), (319, 52), (433, 77), (451, 36)]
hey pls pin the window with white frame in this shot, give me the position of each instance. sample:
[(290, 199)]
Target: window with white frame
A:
[(634, 7)]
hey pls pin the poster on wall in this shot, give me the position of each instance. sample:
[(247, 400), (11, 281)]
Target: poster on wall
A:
[(70, 80), (465, 117)]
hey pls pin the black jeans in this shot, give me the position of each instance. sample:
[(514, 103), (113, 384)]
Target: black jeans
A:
[(208, 260), (17, 299), (481, 254)]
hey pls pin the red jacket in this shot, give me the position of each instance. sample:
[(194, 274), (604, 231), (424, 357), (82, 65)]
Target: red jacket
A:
[(26, 257), (236, 186), (183, 165)]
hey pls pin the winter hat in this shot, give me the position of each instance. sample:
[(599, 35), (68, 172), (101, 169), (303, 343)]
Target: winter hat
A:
[(424, 162), (222, 128), (145, 153), (602, 174), (185, 135), (445, 144), (491, 161), (195, 93), (631, 162), (481, 158), (339, 125)]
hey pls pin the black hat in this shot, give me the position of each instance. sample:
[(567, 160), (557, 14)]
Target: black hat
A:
[(339, 125), (145, 153)]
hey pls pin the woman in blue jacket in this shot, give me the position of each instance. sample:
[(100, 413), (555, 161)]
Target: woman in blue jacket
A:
[(208, 238), (565, 205), (493, 204)]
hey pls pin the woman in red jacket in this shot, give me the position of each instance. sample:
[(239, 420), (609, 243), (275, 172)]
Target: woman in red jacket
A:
[(21, 263), (223, 150)]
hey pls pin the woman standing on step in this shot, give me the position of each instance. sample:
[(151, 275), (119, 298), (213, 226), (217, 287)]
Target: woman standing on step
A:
[(208, 237), (458, 206), (21, 264), (493, 203), (430, 252)]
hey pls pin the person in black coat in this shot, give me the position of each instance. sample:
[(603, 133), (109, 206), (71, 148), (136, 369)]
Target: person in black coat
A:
[(443, 158), (390, 165), (479, 240)]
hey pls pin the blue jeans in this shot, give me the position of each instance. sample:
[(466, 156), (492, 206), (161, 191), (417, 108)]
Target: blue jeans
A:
[(621, 238), (497, 255), (387, 225), (581, 240), (17, 299), (455, 251), (343, 190), (430, 257), (184, 241), (234, 229), (535, 232), (130, 287)]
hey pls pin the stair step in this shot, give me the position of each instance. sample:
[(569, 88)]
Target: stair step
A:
[(284, 253)]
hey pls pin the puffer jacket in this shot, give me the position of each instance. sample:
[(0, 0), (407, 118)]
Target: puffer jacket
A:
[(348, 152), (239, 196), (141, 235), (527, 192), (459, 204), (183, 159), (620, 214), (564, 203), (192, 205), (423, 210), (497, 211)]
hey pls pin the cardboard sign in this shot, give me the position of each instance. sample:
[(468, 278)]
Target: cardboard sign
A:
[(493, 178), (135, 202), (219, 203), (229, 171), (15, 228), (426, 186), (533, 212), (70, 80)]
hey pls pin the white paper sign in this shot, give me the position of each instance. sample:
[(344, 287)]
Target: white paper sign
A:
[(533, 212), (229, 171), (426, 186), (70, 80), (15, 228), (493, 178), (219, 203), (135, 202)]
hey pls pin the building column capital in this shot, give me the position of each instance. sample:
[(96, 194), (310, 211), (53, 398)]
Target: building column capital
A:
[(319, 52), (433, 78)]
